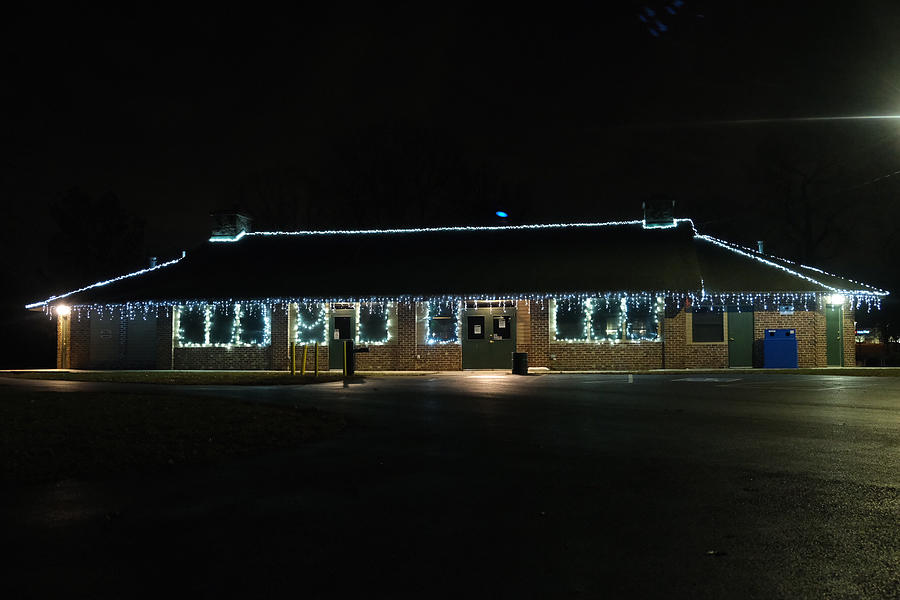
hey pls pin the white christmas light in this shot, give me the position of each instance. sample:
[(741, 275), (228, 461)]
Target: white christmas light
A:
[(107, 282)]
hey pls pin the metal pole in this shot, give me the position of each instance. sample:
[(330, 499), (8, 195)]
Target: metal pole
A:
[(316, 359), (293, 358), (303, 364)]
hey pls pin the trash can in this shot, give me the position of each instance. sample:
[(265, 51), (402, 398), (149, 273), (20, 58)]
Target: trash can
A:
[(780, 349), (520, 363)]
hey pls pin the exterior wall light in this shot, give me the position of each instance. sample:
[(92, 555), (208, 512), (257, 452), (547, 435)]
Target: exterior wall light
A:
[(836, 299), (63, 311)]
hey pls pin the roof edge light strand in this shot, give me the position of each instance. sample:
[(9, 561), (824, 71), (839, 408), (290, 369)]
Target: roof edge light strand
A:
[(459, 228), (106, 282)]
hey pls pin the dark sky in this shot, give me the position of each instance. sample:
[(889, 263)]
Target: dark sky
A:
[(587, 110)]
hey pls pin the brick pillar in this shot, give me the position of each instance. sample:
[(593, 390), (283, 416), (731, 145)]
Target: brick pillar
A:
[(849, 335), (675, 340), (79, 341), (280, 347), (63, 342), (165, 338), (523, 325), (406, 335), (539, 348)]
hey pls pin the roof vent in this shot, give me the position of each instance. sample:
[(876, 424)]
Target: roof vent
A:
[(659, 212), (229, 226)]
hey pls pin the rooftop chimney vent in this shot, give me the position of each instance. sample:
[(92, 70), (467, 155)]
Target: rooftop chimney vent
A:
[(659, 212), (229, 226)]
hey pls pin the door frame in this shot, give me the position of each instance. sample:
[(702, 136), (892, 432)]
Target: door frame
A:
[(335, 349), (488, 312), (746, 342), (834, 312)]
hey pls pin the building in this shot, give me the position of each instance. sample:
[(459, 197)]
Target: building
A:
[(625, 295)]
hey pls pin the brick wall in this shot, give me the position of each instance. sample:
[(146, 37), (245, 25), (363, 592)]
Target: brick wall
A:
[(281, 344), (63, 332), (438, 357), (810, 330), (568, 356), (236, 357), (679, 354), (406, 336), (849, 336), (165, 322), (523, 325), (539, 348), (79, 342)]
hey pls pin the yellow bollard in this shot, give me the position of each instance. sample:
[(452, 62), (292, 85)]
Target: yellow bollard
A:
[(303, 364)]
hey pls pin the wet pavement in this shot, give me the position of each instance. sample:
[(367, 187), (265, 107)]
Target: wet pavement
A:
[(492, 485)]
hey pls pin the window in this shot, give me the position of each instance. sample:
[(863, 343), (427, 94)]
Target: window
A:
[(442, 322), (570, 320), (606, 319), (373, 322), (707, 325), (642, 324), (502, 329), (192, 325), (475, 327), (309, 325), (254, 326), (221, 324)]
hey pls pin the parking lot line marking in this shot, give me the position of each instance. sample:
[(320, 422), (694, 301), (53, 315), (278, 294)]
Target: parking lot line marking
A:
[(708, 379)]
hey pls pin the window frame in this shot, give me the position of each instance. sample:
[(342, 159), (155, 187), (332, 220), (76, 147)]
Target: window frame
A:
[(689, 325)]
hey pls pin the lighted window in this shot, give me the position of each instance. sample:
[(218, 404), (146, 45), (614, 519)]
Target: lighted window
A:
[(254, 325), (442, 322), (606, 319), (708, 325), (373, 322), (310, 324), (192, 325), (221, 324), (571, 319), (642, 323)]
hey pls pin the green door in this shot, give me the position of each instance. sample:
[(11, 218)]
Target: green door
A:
[(341, 329), (740, 339), (489, 338), (834, 333)]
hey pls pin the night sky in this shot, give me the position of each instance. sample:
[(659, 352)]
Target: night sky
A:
[(441, 115)]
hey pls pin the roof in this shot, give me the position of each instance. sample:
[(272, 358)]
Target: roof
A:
[(475, 262)]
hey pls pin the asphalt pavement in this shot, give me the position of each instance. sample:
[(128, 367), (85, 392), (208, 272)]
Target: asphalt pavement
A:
[(491, 485)]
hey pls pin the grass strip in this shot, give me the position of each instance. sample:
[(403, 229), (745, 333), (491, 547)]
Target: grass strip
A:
[(50, 436)]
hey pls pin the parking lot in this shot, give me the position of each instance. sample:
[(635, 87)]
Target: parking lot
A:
[(677, 485)]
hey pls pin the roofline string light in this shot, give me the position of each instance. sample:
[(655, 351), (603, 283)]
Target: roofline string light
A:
[(756, 254), (811, 300), (458, 228), (106, 282), (866, 296)]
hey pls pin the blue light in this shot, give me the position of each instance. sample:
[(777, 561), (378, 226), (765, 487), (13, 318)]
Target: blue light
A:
[(501, 214)]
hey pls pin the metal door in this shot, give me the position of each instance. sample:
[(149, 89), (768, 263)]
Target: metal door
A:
[(489, 338), (740, 339), (341, 329), (106, 342), (834, 334)]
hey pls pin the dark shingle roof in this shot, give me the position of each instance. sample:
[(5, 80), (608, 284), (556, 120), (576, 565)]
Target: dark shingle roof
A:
[(511, 261)]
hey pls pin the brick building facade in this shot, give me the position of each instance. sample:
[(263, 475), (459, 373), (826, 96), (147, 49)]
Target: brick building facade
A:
[(636, 312)]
